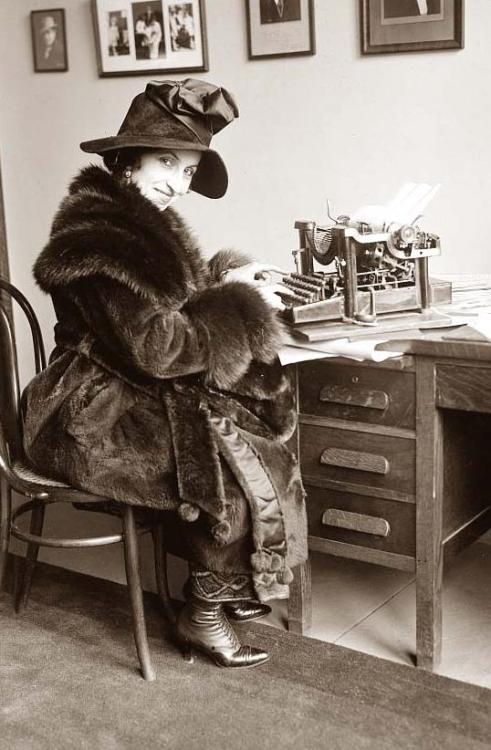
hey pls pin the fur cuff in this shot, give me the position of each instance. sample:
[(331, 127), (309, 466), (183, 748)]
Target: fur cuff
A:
[(224, 260), (240, 327)]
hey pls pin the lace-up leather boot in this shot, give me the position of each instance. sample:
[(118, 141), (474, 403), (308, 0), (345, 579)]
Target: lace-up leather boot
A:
[(203, 626)]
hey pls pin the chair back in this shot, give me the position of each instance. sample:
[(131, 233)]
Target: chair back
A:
[(10, 417)]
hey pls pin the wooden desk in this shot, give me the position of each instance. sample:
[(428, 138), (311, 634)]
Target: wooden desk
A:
[(395, 460)]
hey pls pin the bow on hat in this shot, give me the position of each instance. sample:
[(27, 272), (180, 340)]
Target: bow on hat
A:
[(201, 106)]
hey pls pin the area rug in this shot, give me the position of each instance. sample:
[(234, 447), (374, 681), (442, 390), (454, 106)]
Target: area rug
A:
[(69, 679)]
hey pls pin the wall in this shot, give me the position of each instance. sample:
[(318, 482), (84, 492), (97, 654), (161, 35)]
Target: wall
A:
[(336, 124)]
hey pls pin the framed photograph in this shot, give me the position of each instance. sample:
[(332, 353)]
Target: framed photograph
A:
[(136, 37), (411, 25), (280, 28), (49, 40)]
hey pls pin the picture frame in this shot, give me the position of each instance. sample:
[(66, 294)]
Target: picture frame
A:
[(411, 25), (141, 37), (49, 47), (280, 28)]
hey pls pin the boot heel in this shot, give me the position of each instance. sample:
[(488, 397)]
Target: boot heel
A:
[(188, 653)]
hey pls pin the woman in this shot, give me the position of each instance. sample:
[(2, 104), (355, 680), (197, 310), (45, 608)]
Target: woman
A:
[(154, 36), (113, 35), (164, 390)]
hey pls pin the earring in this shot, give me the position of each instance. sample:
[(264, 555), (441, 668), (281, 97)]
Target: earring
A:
[(127, 173)]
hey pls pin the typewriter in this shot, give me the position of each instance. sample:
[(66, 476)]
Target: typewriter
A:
[(376, 276)]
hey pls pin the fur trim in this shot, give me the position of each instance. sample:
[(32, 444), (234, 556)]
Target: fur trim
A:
[(221, 532), (260, 561), (105, 227), (199, 475), (188, 512), (277, 562), (224, 260), (285, 576), (240, 326), (264, 579), (107, 230)]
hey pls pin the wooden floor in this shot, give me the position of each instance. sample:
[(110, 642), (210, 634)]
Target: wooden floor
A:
[(372, 609)]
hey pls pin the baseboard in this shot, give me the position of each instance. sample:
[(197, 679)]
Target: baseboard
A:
[(74, 576)]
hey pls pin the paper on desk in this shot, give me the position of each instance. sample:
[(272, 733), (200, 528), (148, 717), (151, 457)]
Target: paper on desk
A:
[(482, 324), (359, 350)]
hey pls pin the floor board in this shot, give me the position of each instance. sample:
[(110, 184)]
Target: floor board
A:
[(371, 609)]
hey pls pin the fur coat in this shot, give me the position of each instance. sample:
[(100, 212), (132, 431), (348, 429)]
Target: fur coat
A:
[(164, 390)]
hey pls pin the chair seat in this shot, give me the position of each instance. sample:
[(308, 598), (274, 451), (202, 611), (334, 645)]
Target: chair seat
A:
[(29, 475)]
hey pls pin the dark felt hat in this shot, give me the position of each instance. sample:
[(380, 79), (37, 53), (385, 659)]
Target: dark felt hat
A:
[(177, 115)]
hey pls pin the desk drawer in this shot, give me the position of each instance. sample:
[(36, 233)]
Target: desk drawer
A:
[(391, 526), (464, 388), (361, 394), (358, 458)]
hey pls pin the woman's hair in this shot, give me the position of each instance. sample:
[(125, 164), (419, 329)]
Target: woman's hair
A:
[(124, 158)]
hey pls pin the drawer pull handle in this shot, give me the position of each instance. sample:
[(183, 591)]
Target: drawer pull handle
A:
[(343, 519), (338, 394), (355, 460)]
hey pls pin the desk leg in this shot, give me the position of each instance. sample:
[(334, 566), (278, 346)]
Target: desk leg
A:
[(300, 601), (429, 501)]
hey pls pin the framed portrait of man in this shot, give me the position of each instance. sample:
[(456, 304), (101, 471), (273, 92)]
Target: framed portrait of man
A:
[(409, 11), (279, 11), (280, 28), (49, 40), (411, 25)]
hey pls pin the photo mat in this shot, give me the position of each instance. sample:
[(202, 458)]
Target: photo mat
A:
[(150, 36), (280, 28)]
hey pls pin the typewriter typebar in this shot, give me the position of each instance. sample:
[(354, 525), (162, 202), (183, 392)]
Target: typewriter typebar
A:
[(376, 278)]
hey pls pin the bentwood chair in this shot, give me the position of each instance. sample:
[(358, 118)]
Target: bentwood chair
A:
[(40, 491)]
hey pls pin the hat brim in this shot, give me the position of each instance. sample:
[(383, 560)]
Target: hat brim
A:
[(211, 178)]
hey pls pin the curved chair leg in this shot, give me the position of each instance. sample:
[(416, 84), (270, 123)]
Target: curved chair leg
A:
[(23, 587), (5, 518), (132, 566), (161, 573)]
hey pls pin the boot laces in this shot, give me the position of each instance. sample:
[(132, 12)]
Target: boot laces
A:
[(228, 629)]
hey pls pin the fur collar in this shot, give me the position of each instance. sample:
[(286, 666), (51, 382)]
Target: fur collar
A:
[(105, 227)]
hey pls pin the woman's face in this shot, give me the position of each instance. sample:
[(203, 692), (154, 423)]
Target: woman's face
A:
[(164, 175)]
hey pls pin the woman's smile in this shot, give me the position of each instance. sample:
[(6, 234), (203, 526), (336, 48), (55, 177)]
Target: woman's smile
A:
[(163, 176), (163, 192)]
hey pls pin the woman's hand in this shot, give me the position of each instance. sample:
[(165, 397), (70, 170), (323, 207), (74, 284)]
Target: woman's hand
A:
[(260, 276)]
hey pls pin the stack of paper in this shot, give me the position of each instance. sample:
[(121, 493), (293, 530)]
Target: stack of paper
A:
[(361, 349)]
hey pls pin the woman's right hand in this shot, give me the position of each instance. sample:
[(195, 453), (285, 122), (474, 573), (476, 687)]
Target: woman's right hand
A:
[(269, 295), (258, 275)]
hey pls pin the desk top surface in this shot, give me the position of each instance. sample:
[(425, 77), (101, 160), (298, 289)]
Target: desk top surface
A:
[(455, 343)]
